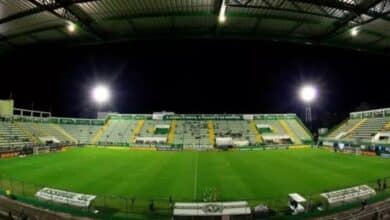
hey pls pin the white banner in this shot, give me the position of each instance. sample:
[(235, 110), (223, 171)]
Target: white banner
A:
[(64, 197)]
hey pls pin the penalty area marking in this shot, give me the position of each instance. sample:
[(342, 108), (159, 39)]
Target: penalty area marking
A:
[(196, 174)]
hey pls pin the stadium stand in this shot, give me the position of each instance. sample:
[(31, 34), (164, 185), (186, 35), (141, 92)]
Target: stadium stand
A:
[(197, 134), (12, 136), (368, 128), (360, 128), (290, 132), (343, 129), (100, 132), (82, 134), (137, 130), (172, 132), (387, 126), (276, 131), (299, 130), (149, 129), (40, 130), (238, 130), (118, 132), (275, 125), (256, 133), (152, 132), (160, 129), (210, 126), (192, 134)]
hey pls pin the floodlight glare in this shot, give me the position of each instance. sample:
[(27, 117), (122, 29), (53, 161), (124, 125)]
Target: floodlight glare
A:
[(222, 13), (71, 27), (308, 93), (354, 31), (222, 19), (100, 94)]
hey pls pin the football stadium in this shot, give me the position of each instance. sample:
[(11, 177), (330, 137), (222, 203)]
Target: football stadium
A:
[(127, 162), (194, 109)]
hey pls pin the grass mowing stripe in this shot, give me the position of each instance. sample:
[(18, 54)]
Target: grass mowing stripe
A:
[(196, 174)]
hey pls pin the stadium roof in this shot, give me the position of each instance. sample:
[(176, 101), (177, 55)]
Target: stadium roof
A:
[(324, 22)]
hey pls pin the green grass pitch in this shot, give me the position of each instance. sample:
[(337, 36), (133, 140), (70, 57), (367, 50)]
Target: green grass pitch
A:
[(259, 175)]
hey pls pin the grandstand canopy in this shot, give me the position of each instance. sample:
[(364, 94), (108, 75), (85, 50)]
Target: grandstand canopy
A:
[(355, 24)]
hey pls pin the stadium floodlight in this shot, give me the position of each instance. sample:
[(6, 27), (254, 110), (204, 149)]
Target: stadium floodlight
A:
[(71, 27), (101, 94), (222, 13), (308, 93), (354, 31)]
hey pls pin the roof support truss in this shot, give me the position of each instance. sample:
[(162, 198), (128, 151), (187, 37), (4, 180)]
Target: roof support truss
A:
[(352, 8), (48, 5), (268, 6), (68, 12), (363, 8)]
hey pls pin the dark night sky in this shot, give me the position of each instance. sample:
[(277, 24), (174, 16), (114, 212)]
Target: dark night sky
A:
[(209, 76)]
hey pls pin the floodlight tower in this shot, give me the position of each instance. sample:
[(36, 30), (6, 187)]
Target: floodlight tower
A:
[(100, 95), (308, 94)]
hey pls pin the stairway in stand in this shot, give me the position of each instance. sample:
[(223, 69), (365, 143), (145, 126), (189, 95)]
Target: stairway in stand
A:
[(253, 128), (290, 132), (27, 133), (100, 132), (137, 130), (172, 132), (355, 127), (387, 126), (64, 133), (211, 132)]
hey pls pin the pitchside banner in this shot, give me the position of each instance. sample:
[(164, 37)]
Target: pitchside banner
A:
[(274, 116), (230, 117), (203, 116), (64, 197), (130, 116), (55, 120)]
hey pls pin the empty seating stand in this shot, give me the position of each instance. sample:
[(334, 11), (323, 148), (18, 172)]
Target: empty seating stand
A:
[(118, 132), (177, 131), (39, 130), (344, 128), (149, 129), (11, 136), (192, 134), (83, 134), (299, 131), (236, 129), (360, 128), (276, 127), (368, 129)]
